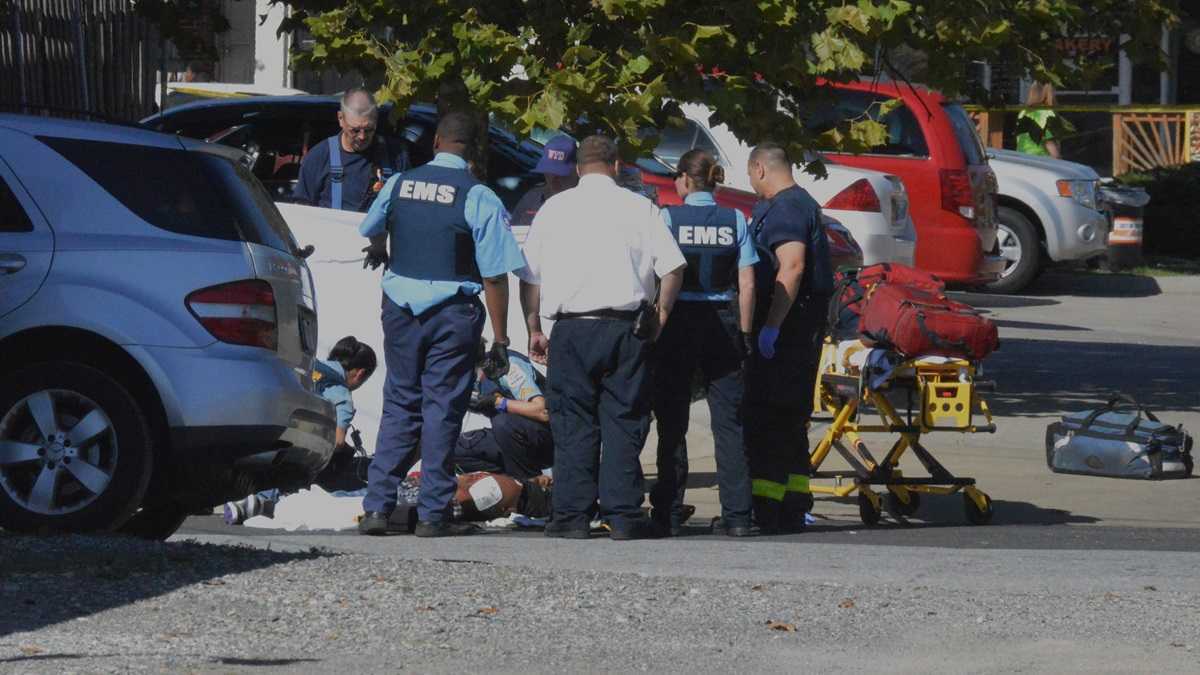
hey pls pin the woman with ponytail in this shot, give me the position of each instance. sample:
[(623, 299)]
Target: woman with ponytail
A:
[(708, 332)]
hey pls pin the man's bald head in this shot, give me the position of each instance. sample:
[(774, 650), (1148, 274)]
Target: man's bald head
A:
[(770, 169), (771, 155)]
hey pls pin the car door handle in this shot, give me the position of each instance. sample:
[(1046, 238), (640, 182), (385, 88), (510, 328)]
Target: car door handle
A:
[(11, 263)]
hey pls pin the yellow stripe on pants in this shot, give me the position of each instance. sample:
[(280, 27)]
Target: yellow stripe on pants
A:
[(768, 489), (798, 483)]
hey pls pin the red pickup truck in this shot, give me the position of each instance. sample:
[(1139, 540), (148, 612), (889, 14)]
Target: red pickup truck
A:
[(933, 147)]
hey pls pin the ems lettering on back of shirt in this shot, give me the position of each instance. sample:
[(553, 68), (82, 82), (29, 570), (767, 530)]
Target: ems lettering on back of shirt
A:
[(425, 191), (706, 235)]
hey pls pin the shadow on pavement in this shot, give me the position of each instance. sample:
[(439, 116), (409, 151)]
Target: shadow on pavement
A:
[(1042, 377), (49, 580), (1037, 325), (1094, 285), (990, 301)]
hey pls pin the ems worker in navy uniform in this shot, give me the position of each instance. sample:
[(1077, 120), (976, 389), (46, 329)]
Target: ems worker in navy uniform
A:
[(557, 165), (594, 253), (709, 332), (795, 280), (449, 241), (347, 171)]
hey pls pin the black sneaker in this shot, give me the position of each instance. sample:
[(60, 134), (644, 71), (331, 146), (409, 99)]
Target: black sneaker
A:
[(558, 529), (374, 524), (719, 526), (444, 528), (638, 529)]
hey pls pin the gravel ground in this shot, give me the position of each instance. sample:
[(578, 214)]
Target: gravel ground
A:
[(86, 604)]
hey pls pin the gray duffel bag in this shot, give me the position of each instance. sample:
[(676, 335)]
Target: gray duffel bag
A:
[(1119, 440)]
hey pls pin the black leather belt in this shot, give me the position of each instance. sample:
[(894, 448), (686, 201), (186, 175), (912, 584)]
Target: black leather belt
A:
[(620, 314)]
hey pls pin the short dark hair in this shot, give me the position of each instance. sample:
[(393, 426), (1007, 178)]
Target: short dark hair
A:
[(772, 155), (457, 126), (351, 354), (596, 149)]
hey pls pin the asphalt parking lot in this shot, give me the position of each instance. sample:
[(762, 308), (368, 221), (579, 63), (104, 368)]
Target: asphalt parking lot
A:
[(1075, 574)]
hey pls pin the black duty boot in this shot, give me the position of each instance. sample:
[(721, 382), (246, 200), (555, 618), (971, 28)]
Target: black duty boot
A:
[(559, 529), (720, 526), (374, 523), (444, 528), (638, 529)]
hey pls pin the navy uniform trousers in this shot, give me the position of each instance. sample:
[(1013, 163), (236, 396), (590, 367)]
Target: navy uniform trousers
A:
[(704, 337), (514, 445), (779, 404), (430, 372), (598, 392)]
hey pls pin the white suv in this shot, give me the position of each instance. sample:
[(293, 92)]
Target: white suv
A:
[(872, 205), (1046, 210)]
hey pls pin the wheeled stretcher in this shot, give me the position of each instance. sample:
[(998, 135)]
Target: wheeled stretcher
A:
[(911, 398)]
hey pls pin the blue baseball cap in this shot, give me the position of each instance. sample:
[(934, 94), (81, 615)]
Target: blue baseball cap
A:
[(558, 157)]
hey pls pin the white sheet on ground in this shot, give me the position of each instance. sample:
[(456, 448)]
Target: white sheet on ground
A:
[(313, 509)]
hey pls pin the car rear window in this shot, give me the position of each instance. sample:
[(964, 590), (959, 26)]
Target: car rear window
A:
[(965, 132), (904, 135), (198, 194)]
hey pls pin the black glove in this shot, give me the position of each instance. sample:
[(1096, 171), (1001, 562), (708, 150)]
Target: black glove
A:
[(495, 364), (375, 255), (484, 405), (747, 346)]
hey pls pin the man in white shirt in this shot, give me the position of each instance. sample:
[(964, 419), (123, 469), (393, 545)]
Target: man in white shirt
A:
[(593, 255)]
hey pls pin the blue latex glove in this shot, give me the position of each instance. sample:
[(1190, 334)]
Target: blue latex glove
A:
[(766, 341)]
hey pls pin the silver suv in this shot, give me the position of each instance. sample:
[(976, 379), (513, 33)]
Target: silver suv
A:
[(157, 332)]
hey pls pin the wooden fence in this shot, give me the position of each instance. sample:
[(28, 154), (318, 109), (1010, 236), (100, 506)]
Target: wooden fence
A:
[(1143, 137), (93, 56)]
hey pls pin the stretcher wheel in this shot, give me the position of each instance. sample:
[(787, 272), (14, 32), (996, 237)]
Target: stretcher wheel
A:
[(975, 516), (896, 505), (867, 510)]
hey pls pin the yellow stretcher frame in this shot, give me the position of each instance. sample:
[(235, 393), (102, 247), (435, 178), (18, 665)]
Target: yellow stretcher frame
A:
[(948, 397)]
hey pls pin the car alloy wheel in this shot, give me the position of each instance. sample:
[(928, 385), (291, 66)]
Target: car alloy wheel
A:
[(76, 450), (1010, 249), (58, 452)]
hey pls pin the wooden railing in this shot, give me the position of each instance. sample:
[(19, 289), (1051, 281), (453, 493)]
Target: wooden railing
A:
[(1143, 137), (82, 55)]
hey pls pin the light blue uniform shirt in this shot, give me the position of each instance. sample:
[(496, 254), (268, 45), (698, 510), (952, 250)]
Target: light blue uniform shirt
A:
[(329, 379), (747, 255), (496, 252)]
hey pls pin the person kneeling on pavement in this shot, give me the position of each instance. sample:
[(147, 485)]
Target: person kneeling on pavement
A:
[(349, 365), (519, 442)]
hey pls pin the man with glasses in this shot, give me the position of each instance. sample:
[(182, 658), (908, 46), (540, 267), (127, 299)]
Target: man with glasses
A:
[(348, 170)]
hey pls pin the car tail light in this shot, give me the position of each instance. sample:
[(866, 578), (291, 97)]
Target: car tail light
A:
[(956, 192), (239, 313), (859, 196)]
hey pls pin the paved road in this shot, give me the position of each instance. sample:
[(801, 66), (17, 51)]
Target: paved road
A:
[(1076, 575)]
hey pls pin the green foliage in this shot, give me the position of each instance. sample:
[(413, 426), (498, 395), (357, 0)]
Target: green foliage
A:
[(1172, 218), (761, 65)]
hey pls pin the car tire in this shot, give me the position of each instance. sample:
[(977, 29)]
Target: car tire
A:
[(156, 523), (1018, 237), (76, 452)]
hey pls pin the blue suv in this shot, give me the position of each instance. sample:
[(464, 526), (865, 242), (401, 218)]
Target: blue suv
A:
[(157, 331)]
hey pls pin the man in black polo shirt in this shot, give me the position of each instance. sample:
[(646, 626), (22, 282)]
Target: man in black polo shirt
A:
[(795, 280)]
